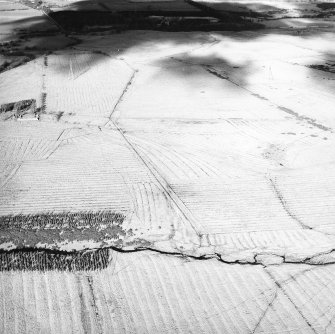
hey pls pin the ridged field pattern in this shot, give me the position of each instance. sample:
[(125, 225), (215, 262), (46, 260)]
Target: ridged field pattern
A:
[(189, 296)]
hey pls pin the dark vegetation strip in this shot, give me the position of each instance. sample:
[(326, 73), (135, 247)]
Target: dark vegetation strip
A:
[(330, 68), (35, 238), (15, 62), (46, 260), (16, 53), (100, 229), (224, 14), (326, 5), (20, 106), (61, 220), (151, 20)]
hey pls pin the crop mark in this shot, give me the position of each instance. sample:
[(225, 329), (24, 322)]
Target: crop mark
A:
[(163, 183), (43, 107), (153, 171), (94, 304), (146, 155), (206, 44), (10, 175), (164, 157), (285, 206), (18, 150), (83, 309), (53, 151), (80, 63), (61, 134), (309, 120), (174, 161), (104, 6), (130, 81), (268, 307), (281, 288), (152, 207), (299, 117)]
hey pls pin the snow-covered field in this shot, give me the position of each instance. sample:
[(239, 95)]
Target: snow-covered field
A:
[(202, 162)]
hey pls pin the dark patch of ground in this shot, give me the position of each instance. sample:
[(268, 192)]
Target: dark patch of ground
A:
[(53, 230), (327, 67), (42, 260), (17, 51), (15, 56), (13, 62), (19, 106), (326, 5), (151, 20)]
